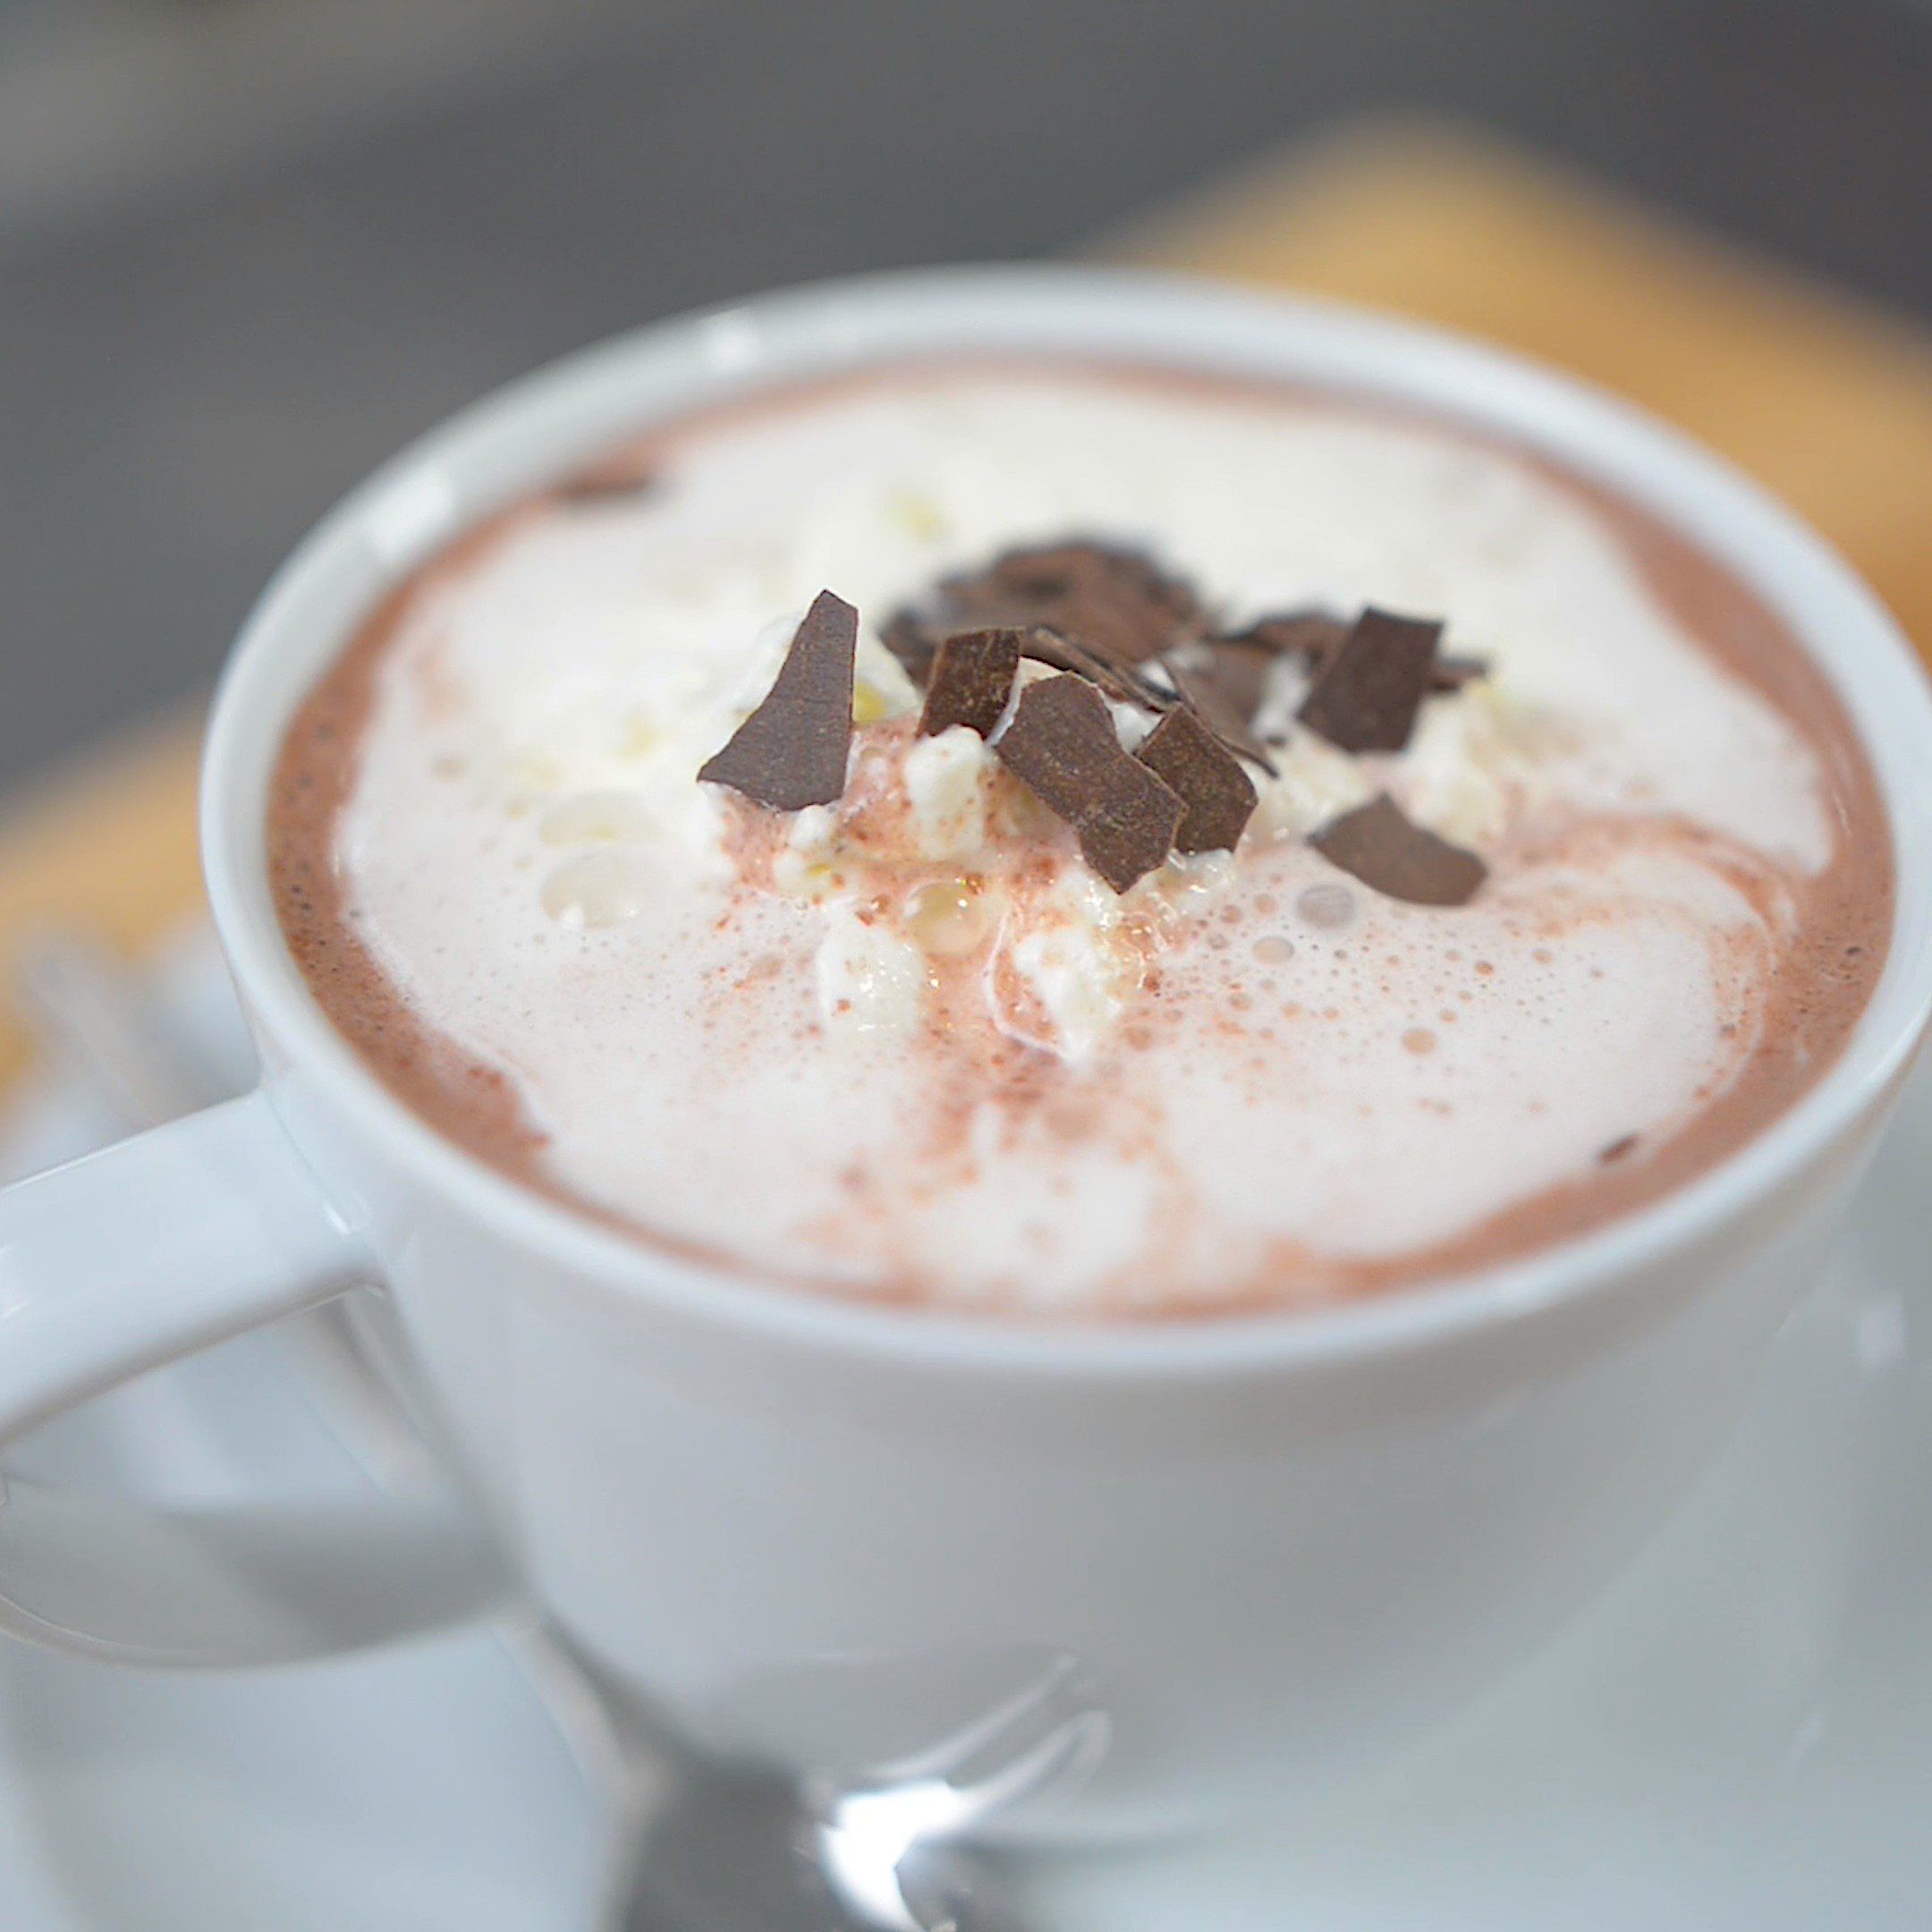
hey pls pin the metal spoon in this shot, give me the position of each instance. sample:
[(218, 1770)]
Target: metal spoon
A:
[(695, 1845)]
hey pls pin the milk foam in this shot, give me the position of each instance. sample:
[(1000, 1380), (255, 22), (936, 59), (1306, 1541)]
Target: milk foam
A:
[(762, 1035)]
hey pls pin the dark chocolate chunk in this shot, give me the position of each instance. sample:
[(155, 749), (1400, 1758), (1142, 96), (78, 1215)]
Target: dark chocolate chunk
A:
[(971, 679), (1382, 848), (791, 751), (1062, 744), (1190, 759), (1365, 697)]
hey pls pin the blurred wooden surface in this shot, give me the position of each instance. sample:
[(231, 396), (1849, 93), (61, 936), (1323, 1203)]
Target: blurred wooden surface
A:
[(1828, 402)]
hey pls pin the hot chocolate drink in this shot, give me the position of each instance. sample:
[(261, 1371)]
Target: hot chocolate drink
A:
[(1083, 842)]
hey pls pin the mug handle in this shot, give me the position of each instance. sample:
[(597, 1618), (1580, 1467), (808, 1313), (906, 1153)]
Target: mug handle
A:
[(134, 1257)]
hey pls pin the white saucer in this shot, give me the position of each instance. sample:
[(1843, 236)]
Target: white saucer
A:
[(1739, 1740)]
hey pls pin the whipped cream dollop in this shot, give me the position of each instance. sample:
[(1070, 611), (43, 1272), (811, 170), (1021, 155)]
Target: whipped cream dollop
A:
[(909, 1041)]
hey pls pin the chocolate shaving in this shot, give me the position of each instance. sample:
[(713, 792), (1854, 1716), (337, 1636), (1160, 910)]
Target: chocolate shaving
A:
[(618, 481), (1235, 669), (1191, 760), (1116, 602), (1314, 636), (1384, 849), (1062, 744), (1366, 696), (971, 679), (1119, 682), (915, 642), (1452, 673), (1204, 690), (791, 752), (1238, 674)]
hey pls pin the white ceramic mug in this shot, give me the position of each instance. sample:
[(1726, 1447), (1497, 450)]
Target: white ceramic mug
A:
[(825, 1533)]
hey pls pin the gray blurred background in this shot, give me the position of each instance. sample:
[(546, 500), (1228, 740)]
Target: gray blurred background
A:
[(247, 247)]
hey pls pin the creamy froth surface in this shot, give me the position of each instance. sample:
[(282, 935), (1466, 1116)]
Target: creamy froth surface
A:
[(909, 1044)]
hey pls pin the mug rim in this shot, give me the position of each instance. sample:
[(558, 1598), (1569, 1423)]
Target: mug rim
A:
[(413, 504)]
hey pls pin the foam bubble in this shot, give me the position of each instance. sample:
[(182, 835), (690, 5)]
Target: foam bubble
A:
[(1327, 907)]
